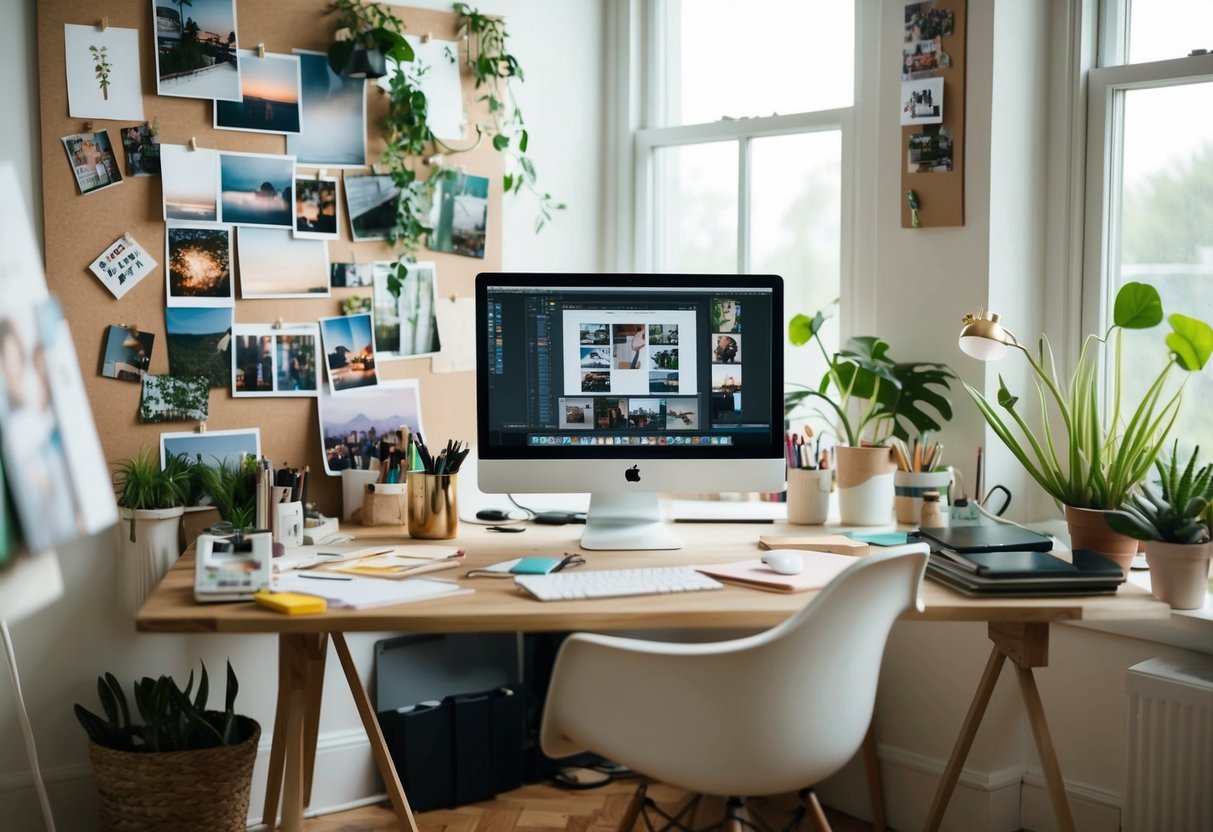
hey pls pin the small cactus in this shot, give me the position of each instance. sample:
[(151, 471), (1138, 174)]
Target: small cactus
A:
[(1178, 512)]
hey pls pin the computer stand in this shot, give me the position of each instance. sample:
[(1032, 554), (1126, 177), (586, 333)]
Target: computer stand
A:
[(626, 521)]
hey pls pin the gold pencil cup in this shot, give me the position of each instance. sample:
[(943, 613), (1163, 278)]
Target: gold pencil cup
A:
[(433, 512)]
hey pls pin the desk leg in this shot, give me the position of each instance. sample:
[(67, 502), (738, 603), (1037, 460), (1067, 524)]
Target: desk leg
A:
[(1044, 747), (293, 749), (871, 764), (273, 780), (977, 709), (317, 651), (391, 781)]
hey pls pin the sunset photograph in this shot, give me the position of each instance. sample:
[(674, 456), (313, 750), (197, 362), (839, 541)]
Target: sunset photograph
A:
[(271, 95), (190, 180), (199, 259), (255, 189)]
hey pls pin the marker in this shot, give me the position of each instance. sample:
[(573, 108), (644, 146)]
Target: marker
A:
[(323, 577)]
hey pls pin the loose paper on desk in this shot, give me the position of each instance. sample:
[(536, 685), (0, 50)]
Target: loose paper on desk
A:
[(363, 593), (401, 562), (457, 323), (306, 557), (819, 569)]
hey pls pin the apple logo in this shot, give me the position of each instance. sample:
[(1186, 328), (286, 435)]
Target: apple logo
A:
[(632, 474)]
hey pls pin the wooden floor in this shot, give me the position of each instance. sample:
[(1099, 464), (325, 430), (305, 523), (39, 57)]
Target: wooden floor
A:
[(544, 808)]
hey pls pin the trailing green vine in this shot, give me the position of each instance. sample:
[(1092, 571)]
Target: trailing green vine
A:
[(408, 137)]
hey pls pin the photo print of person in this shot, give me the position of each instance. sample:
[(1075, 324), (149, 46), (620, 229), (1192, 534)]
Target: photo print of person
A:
[(256, 189), (200, 342), (577, 413), (127, 353), (595, 381), (199, 259), (726, 315), (663, 335), (726, 349), (317, 209), (170, 399), (196, 49), (595, 335), (595, 358), (332, 110), (459, 209), (682, 413), (270, 88), (663, 381), (930, 151), (349, 348), (646, 414), (93, 162), (610, 413), (628, 343), (141, 146)]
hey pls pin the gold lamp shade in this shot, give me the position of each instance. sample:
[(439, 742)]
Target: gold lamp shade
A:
[(984, 337)]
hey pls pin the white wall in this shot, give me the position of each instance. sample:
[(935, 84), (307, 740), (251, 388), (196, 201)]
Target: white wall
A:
[(62, 649)]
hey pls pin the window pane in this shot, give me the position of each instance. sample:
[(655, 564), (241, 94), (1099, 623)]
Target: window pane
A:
[(696, 208), (1166, 233), (760, 58), (796, 221), (1163, 29)]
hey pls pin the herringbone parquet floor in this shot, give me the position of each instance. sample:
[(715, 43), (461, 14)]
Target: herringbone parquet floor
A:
[(545, 808)]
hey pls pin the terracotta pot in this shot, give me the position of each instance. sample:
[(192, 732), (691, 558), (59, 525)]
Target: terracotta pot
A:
[(1179, 572), (865, 485), (1089, 529)]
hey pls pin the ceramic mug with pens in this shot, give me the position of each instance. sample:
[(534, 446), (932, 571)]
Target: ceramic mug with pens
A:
[(809, 495)]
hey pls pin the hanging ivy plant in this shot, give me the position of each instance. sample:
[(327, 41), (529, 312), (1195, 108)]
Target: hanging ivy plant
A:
[(407, 135)]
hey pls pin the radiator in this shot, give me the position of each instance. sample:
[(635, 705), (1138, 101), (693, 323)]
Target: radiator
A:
[(1169, 785)]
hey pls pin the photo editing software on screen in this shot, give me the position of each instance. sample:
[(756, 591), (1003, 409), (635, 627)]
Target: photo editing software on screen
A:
[(635, 366)]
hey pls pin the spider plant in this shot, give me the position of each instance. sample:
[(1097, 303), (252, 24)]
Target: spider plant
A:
[(140, 483)]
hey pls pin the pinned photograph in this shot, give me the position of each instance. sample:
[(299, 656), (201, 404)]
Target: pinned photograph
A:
[(200, 342), (274, 264), (922, 101), (930, 151), (405, 326), (346, 275), (371, 201), (435, 71), (171, 399), (255, 189), (270, 88), (682, 413), (332, 111), (349, 348), (610, 413), (598, 335), (141, 146), (924, 21), (459, 209), (127, 353), (663, 381), (595, 381), (726, 349), (196, 49), (646, 414), (199, 271), (317, 215), (189, 180), (351, 424), (212, 447), (103, 78), (93, 162), (577, 413), (122, 265), (919, 58), (271, 360), (726, 315)]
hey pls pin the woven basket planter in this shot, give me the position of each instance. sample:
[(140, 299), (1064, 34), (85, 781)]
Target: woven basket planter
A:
[(183, 791)]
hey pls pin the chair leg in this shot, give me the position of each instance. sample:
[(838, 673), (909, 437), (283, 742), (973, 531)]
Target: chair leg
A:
[(737, 816), (633, 810), (816, 814)]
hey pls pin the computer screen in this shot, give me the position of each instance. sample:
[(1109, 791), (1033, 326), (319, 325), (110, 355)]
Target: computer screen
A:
[(624, 385)]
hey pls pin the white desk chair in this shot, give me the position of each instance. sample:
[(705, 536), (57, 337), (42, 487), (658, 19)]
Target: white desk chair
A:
[(767, 714)]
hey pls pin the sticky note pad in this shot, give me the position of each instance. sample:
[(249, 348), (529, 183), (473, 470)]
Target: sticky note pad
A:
[(291, 603), (879, 538)]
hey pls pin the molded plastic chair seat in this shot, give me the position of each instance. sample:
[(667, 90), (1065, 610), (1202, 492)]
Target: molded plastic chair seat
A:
[(766, 714)]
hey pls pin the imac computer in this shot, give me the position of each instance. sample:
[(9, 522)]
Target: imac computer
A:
[(625, 386)]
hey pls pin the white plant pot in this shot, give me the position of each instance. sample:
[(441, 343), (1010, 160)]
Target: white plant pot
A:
[(865, 485), (152, 553), (1179, 572)]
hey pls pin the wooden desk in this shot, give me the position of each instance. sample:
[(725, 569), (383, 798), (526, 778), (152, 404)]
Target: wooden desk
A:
[(1018, 628)]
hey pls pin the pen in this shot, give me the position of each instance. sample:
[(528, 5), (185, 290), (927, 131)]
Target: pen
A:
[(323, 577)]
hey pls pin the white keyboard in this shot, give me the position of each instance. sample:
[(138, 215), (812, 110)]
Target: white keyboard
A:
[(613, 583)]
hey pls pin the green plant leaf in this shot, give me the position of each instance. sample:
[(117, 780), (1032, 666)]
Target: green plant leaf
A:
[(501, 142), (1138, 306), (1191, 341), (233, 687), (1005, 397), (801, 328)]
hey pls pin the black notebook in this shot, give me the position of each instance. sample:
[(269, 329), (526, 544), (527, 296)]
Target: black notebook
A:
[(1025, 573), (998, 537)]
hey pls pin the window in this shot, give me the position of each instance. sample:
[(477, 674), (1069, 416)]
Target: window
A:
[(742, 150), (1150, 182)]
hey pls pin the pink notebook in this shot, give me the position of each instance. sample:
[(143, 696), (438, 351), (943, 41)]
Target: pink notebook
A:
[(819, 569)]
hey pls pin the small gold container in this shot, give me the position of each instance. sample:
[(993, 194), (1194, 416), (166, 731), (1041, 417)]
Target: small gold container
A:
[(433, 506)]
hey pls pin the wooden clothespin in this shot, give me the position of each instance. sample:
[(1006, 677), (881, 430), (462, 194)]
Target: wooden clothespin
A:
[(193, 143), (454, 297), (427, 37), (261, 50), (88, 127), (202, 427), (321, 172), (278, 324), (103, 23)]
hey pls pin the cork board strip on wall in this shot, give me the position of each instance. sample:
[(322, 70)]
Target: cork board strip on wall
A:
[(940, 193)]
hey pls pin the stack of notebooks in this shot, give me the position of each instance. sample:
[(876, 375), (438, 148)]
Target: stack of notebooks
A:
[(1008, 561)]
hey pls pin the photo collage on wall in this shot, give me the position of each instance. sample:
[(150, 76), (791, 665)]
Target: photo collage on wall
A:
[(923, 54)]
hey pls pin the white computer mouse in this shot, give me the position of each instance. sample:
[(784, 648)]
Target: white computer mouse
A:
[(784, 561)]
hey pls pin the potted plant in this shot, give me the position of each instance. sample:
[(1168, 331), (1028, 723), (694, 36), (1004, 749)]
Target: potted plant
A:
[(872, 398), (1174, 522), (232, 488), (183, 767), (1094, 463), (151, 501)]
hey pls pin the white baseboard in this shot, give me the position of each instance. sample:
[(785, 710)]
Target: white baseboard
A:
[(1094, 809)]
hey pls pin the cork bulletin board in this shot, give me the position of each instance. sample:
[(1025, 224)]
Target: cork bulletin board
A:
[(79, 227), (932, 105)]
